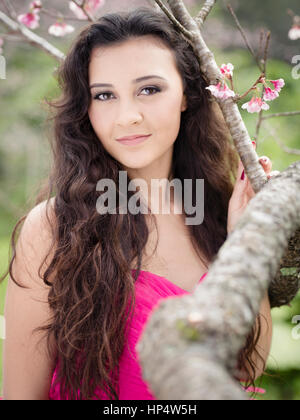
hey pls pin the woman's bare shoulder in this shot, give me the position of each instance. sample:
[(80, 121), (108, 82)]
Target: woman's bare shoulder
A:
[(27, 364), (36, 240), (41, 216)]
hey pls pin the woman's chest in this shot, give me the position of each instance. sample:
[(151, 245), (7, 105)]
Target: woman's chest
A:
[(174, 257)]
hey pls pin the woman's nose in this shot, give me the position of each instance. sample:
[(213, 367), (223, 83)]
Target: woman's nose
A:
[(128, 113)]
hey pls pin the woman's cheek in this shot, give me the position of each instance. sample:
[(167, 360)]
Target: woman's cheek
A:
[(98, 125)]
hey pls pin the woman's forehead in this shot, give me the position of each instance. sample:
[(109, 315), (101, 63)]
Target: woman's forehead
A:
[(134, 58)]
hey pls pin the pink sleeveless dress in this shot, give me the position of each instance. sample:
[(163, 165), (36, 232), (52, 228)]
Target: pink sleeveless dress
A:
[(150, 289)]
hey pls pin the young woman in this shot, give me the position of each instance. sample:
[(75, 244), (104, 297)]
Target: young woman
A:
[(83, 282)]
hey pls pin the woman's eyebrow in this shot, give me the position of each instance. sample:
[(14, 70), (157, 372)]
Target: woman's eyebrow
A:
[(140, 79)]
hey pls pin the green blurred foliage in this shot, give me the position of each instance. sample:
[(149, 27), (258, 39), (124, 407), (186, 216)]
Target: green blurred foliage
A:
[(24, 147)]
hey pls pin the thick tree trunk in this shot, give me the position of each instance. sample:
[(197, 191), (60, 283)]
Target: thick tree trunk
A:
[(190, 344)]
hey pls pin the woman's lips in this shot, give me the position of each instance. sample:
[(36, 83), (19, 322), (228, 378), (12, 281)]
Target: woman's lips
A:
[(132, 142)]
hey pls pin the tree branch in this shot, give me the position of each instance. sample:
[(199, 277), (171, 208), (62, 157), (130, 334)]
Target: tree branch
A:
[(57, 15), (280, 143), (264, 64), (281, 114), (204, 12), (81, 6), (10, 9), (201, 343), (182, 29), (32, 37), (245, 37)]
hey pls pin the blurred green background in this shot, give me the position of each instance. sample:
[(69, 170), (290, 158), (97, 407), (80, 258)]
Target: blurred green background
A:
[(25, 154)]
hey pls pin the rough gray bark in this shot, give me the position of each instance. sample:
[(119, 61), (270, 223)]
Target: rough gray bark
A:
[(286, 284), (189, 347)]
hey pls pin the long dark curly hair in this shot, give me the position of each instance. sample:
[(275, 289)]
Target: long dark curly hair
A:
[(91, 286)]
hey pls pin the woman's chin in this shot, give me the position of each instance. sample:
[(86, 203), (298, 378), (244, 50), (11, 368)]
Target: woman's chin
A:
[(137, 163)]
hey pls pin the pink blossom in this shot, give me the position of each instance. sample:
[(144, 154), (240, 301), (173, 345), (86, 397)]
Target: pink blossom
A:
[(77, 11), (255, 105), (252, 389), (221, 92), (31, 20), (294, 32), (35, 4), (60, 29), (91, 6), (227, 70), (278, 84), (270, 95)]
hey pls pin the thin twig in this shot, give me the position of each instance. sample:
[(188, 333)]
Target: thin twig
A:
[(264, 62), (281, 114), (81, 6), (244, 36), (296, 19), (10, 9), (58, 15), (280, 143), (290, 12), (261, 38), (266, 52), (259, 121), (11, 37), (239, 97), (182, 29)]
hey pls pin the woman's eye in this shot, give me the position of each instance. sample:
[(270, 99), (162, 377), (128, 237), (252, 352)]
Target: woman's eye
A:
[(99, 94), (156, 89), (152, 88)]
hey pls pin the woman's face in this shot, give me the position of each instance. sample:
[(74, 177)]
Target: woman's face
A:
[(127, 108)]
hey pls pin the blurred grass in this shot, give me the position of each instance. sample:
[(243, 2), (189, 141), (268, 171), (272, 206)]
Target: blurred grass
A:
[(22, 118)]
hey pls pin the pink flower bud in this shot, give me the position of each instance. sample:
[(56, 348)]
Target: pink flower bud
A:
[(255, 105), (227, 70), (31, 20), (221, 92), (256, 389), (278, 84), (60, 29), (91, 6), (294, 33), (270, 95), (35, 4)]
